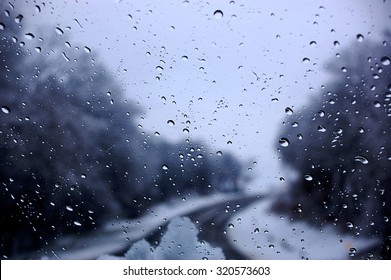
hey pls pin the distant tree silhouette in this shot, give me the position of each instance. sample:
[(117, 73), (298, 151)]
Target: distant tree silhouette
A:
[(339, 145)]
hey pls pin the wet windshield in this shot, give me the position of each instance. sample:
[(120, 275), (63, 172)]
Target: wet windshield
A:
[(230, 129)]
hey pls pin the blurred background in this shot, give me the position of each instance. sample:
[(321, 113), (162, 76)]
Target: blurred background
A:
[(267, 124)]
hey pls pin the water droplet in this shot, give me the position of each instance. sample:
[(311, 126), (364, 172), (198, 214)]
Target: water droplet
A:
[(361, 159), (83, 176), (159, 68), (59, 31), (284, 142), (37, 8), (218, 14), (288, 111), (5, 110), (360, 37), (65, 56), (38, 49), (230, 225), (321, 128), (69, 208), (219, 153), (256, 230), (77, 223), (18, 18), (349, 225), (352, 252), (185, 57), (313, 43), (385, 60), (2, 26), (308, 177), (336, 44), (171, 122), (306, 60), (165, 167), (87, 49), (29, 36)]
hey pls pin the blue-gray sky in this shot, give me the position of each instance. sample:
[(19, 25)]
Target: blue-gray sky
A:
[(223, 77)]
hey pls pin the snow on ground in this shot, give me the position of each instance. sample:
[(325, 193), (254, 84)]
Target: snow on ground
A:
[(259, 234), (119, 234), (180, 242)]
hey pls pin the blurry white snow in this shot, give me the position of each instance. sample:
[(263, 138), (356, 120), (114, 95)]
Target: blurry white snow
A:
[(119, 234), (259, 234), (180, 242)]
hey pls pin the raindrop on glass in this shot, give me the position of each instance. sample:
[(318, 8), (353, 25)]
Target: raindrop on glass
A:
[(288, 111), (218, 14), (171, 122), (59, 31), (284, 142), (165, 167), (18, 18), (361, 159), (5, 110), (352, 252), (321, 128), (308, 177), (385, 60), (29, 36), (360, 37)]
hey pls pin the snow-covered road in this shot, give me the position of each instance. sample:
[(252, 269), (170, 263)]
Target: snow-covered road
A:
[(259, 234), (117, 235)]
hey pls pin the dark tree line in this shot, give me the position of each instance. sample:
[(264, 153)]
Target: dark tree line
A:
[(71, 156), (340, 148)]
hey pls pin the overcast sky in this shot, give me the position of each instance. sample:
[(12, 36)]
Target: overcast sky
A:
[(223, 70)]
